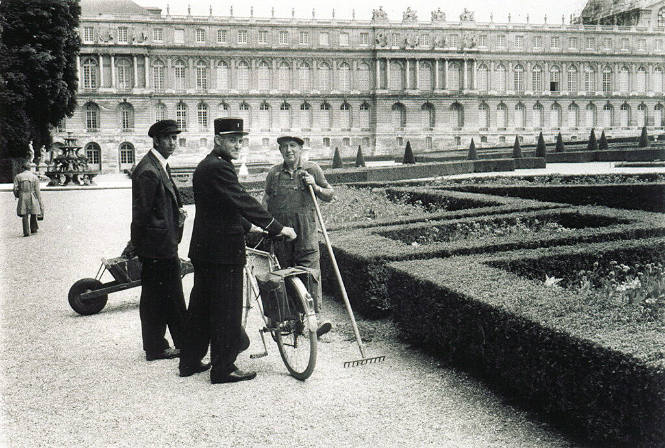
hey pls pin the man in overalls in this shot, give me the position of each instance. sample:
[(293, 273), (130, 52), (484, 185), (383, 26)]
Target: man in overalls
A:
[(288, 199)]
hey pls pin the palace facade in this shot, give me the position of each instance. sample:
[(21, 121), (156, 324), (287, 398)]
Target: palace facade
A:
[(375, 83)]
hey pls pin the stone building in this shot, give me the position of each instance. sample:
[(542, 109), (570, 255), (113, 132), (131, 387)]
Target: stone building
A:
[(377, 83)]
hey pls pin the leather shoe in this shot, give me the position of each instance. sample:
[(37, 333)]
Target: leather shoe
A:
[(202, 367), (234, 377), (324, 328), (168, 353)]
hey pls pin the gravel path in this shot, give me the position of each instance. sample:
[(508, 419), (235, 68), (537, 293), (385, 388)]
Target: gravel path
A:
[(69, 380)]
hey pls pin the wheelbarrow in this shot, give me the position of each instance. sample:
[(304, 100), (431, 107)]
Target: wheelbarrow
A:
[(89, 295)]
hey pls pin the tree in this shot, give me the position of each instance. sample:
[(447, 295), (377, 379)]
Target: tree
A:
[(408, 154), (644, 138), (517, 149), (337, 159), (602, 144), (38, 78), (541, 149), (360, 160), (559, 143), (473, 155), (593, 144)]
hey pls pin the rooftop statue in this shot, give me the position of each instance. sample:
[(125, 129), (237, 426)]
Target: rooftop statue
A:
[(379, 15), (466, 16), (409, 15), (438, 15)]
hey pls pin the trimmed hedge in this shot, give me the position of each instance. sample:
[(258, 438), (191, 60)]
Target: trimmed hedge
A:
[(604, 382), (609, 155)]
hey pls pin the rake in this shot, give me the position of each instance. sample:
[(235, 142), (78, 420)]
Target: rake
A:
[(364, 360)]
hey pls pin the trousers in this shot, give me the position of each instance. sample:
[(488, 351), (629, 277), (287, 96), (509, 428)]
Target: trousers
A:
[(29, 224)]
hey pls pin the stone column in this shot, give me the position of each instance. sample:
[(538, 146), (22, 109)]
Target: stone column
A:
[(169, 75), (136, 72), (112, 71), (474, 85), (78, 71), (146, 60), (388, 73), (408, 77), (417, 74), (464, 76), (101, 70), (436, 73), (445, 74), (377, 81)]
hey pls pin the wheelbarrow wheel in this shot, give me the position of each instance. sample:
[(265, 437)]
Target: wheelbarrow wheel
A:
[(89, 306)]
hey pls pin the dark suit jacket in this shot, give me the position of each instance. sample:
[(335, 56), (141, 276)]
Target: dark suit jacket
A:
[(224, 211), (155, 202)]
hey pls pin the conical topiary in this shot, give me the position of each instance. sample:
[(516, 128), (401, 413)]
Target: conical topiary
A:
[(337, 159), (360, 160), (473, 155), (644, 138), (593, 144), (517, 149), (541, 149), (559, 143), (408, 154), (602, 143)]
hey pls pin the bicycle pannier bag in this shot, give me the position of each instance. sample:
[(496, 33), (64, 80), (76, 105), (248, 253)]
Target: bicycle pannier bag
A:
[(275, 291)]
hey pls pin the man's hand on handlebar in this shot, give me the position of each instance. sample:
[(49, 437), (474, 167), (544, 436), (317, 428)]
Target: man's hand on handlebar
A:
[(256, 229), (289, 233)]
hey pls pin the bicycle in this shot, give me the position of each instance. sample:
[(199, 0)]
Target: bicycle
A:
[(289, 317)]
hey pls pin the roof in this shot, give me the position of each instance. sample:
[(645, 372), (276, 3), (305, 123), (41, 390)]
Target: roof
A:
[(602, 8), (120, 7)]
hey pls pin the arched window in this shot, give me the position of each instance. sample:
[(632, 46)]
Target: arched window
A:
[(657, 80), (658, 116), (181, 116), (284, 77), (520, 116), (345, 116), (607, 80), (201, 75), (223, 110), (179, 74), (641, 80), (364, 116), (126, 117), (399, 116), (126, 155), (572, 79), (624, 115), (555, 116), (324, 77), (482, 83), (501, 116), (158, 75), (425, 76), (457, 115), (94, 154), (642, 115), (305, 116), (427, 115), (304, 78), (590, 120), (243, 76), (285, 116), (222, 76), (264, 76), (123, 74), (396, 82), (608, 115), (454, 76), (264, 116), (555, 79), (573, 115), (589, 79), (537, 79), (624, 79), (538, 116), (500, 74), (202, 116), (324, 116), (244, 112), (160, 112), (518, 78), (483, 116), (89, 73), (91, 117), (363, 77), (344, 77)]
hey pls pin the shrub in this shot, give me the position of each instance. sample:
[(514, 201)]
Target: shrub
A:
[(360, 160), (541, 149), (602, 144), (408, 154), (593, 144), (517, 150), (644, 138), (473, 154), (559, 143), (337, 159)]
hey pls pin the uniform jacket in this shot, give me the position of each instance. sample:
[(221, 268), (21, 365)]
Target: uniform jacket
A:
[(155, 203), (224, 211), (26, 189)]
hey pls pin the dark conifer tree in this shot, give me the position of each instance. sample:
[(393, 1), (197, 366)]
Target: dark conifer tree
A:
[(541, 149), (360, 160), (593, 143), (559, 143), (473, 155), (337, 159), (517, 149), (408, 154)]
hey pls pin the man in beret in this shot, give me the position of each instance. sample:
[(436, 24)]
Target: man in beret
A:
[(287, 197), (156, 230), (224, 213)]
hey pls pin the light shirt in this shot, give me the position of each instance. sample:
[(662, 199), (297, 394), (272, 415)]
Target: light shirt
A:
[(161, 159)]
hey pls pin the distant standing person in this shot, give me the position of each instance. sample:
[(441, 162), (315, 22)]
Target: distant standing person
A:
[(30, 206), (287, 197), (157, 222)]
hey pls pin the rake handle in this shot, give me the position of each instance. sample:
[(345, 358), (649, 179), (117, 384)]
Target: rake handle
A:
[(340, 282)]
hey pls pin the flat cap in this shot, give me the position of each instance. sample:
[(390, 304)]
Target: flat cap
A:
[(286, 138), (163, 127)]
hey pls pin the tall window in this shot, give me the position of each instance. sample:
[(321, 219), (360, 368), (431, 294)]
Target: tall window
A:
[(483, 115), (181, 116), (518, 76), (641, 80), (538, 116), (126, 117), (126, 153), (91, 117), (572, 79), (324, 39), (179, 36), (363, 77), (573, 115), (93, 152), (364, 116), (243, 76), (264, 76), (242, 37), (501, 41), (555, 79), (457, 115), (344, 77), (179, 72), (200, 36), (160, 112), (344, 39), (264, 116), (285, 116), (324, 77), (305, 116), (453, 76), (223, 110), (641, 115), (500, 78), (345, 116), (482, 78), (537, 79), (395, 76), (658, 115), (502, 116), (657, 80), (324, 116), (398, 115), (284, 77), (201, 76), (263, 37), (244, 112), (221, 36), (123, 35), (589, 79), (304, 38), (89, 73), (283, 37), (427, 115), (520, 116), (607, 80), (222, 76), (624, 79), (590, 118), (157, 34), (202, 116), (624, 115), (425, 76), (304, 78), (88, 34), (519, 42), (158, 75), (124, 74), (555, 116), (608, 118)]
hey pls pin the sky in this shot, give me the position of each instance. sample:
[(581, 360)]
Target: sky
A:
[(518, 9)]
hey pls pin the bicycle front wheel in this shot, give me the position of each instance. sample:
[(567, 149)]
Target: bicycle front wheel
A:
[(296, 335)]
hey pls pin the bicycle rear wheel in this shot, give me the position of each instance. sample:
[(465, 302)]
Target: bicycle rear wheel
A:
[(296, 335)]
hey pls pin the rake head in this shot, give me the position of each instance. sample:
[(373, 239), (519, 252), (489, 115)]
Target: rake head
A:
[(362, 362)]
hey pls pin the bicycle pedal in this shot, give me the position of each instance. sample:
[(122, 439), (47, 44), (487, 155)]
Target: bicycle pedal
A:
[(258, 355)]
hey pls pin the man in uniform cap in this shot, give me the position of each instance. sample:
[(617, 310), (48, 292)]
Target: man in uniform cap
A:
[(156, 230), (287, 197), (224, 213)]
